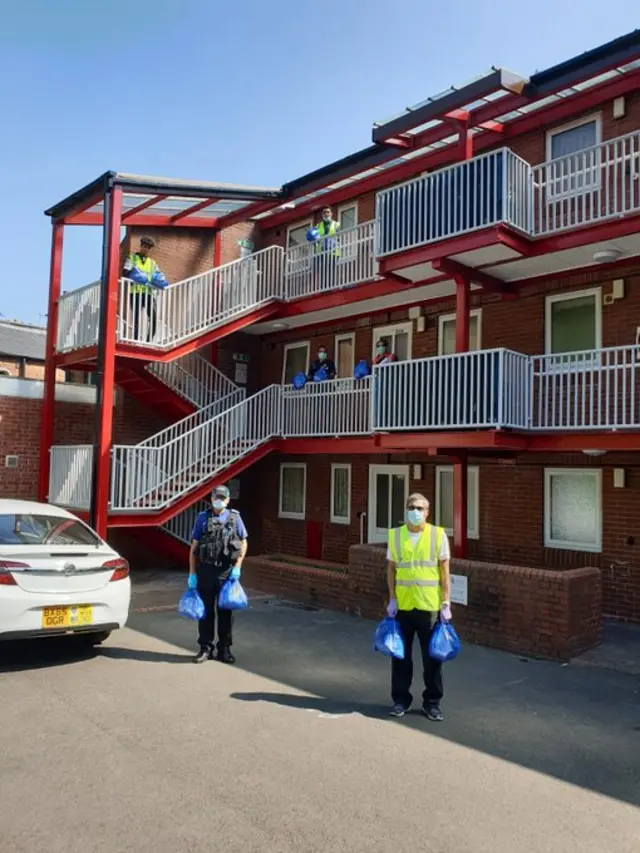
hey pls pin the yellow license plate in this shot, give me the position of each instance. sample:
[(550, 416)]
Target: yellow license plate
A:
[(67, 616)]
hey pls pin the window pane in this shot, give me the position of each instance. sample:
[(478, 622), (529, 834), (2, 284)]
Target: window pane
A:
[(295, 362), (382, 500), (398, 498), (348, 218), (293, 490), (341, 492), (573, 512), (401, 345), (446, 500), (575, 139), (297, 236), (573, 324), (44, 530), (448, 343), (345, 357)]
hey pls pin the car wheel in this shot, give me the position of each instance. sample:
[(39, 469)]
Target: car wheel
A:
[(95, 639)]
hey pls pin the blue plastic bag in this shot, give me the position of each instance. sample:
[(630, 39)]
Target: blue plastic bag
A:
[(388, 640), (299, 381), (191, 606), (361, 370), (321, 374), (445, 643), (159, 279), (312, 235), (138, 276), (232, 597)]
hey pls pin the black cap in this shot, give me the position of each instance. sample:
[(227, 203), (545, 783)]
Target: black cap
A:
[(147, 241), (221, 491)]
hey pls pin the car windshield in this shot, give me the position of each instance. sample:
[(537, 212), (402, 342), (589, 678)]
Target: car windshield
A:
[(26, 529)]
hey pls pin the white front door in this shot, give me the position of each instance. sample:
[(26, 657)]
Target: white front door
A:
[(388, 493)]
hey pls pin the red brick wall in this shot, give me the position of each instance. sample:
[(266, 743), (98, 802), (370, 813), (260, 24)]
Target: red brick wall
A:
[(522, 610)]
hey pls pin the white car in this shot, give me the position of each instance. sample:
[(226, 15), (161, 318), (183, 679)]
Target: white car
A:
[(57, 576)]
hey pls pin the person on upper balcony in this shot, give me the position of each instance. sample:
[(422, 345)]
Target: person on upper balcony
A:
[(384, 355), (145, 279), (326, 250), (322, 367)]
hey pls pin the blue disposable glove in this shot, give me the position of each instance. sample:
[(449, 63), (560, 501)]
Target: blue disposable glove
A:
[(445, 612), (192, 581), (235, 574), (392, 609)]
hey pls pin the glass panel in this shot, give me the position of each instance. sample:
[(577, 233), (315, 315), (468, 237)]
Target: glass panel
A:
[(398, 498), (345, 357), (382, 501), (448, 343), (293, 490), (295, 362), (348, 218), (574, 509), (341, 492), (297, 236), (446, 500), (401, 345), (573, 324), (575, 139), (17, 529)]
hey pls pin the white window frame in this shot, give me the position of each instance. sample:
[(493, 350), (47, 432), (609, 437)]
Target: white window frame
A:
[(307, 223), (388, 332), (337, 519), (592, 473), (374, 470), (447, 318), (346, 206), (294, 345), (473, 491), (551, 193), (347, 336), (298, 516), (562, 364)]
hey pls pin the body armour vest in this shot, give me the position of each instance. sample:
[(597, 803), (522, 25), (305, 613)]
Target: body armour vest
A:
[(220, 544)]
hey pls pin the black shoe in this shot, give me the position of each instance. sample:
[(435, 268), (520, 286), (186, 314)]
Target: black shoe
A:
[(202, 656), (398, 710), (225, 656), (433, 713)]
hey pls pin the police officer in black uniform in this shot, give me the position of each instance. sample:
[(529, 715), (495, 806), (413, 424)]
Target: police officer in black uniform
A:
[(218, 547)]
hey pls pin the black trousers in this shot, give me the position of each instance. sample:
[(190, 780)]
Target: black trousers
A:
[(143, 303), (209, 585), (422, 623)]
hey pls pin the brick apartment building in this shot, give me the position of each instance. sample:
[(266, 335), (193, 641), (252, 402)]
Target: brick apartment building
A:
[(492, 235)]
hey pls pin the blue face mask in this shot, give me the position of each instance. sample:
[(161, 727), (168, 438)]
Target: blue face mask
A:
[(415, 516), (322, 356), (218, 503)]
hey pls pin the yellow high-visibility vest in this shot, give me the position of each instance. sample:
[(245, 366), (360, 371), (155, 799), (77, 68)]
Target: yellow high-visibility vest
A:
[(417, 573), (148, 266), (324, 244)]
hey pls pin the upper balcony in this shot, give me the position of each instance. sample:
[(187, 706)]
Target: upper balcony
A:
[(511, 207)]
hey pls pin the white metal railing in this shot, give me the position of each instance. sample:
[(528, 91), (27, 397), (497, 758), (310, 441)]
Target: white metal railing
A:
[(483, 389), (194, 378), (181, 525), (163, 319), (339, 407), (331, 262), (78, 318), (598, 183), (70, 475), (597, 389), (487, 190)]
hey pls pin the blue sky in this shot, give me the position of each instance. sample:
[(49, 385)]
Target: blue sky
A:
[(250, 92)]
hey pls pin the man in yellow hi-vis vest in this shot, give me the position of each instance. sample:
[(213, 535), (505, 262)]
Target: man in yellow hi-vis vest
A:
[(419, 593), (326, 251), (141, 296)]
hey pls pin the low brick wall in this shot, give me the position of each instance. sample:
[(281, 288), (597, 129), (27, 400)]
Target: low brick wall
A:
[(551, 614)]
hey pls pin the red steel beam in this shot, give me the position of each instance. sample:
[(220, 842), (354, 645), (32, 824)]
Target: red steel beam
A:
[(146, 221), (435, 441), (189, 211), (127, 215), (489, 283), (462, 313), (245, 213), (70, 218), (49, 400), (622, 441)]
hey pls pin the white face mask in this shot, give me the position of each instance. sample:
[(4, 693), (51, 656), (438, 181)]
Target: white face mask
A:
[(219, 503)]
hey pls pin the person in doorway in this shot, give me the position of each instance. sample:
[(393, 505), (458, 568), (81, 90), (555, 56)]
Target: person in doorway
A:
[(324, 363), (142, 296), (383, 353), (419, 594), (218, 547), (326, 250)]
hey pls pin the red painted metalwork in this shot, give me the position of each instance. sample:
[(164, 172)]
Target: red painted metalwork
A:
[(462, 313), (436, 441), (217, 247), (77, 357), (189, 211), (460, 496), (145, 221), (598, 232), (48, 403), (347, 296), (314, 540), (130, 214), (434, 251), (103, 467), (490, 283), (96, 198), (619, 440)]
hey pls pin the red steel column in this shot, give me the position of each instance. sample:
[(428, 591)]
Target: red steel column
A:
[(217, 256), (102, 465), (49, 401), (460, 479), (462, 313)]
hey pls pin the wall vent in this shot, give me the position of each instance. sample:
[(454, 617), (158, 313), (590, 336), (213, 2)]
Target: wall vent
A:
[(11, 461)]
